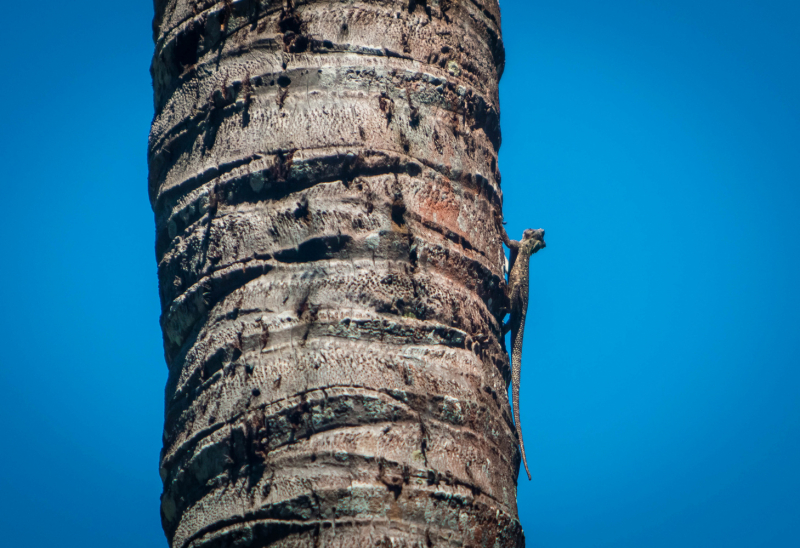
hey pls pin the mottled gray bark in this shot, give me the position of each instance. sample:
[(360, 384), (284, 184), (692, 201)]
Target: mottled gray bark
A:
[(326, 194)]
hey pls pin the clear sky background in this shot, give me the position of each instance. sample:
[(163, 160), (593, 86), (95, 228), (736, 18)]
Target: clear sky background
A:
[(657, 142)]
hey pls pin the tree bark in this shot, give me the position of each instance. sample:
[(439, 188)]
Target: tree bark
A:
[(326, 194)]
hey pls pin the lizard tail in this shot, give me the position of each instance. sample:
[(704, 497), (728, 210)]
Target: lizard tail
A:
[(519, 430), (516, 365)]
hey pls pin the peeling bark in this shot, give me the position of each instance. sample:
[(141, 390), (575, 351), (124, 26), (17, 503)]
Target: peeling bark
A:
[(326, 194)]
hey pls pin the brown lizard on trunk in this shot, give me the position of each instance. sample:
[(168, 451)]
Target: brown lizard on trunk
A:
[(518, 281)]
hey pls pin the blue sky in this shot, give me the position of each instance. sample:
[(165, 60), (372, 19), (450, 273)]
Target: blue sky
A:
[(658, 143)]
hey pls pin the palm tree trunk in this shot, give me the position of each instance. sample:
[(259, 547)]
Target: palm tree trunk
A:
[(325, 187)]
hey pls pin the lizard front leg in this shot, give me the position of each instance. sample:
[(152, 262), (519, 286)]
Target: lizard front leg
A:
[(513, 248)]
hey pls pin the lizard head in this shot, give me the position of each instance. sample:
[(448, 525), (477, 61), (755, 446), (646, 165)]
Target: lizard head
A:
[(533, 240)]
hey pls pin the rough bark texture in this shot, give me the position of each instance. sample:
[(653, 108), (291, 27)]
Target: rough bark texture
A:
[(325, 187)]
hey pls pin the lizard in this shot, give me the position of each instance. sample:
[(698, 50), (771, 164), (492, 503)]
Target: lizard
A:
[(517, 292)]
